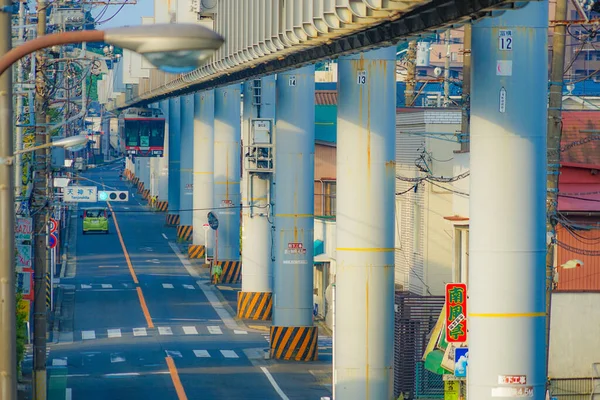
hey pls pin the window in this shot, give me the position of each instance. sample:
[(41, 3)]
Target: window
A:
[(131, 133), (461, 253), (329, 198)]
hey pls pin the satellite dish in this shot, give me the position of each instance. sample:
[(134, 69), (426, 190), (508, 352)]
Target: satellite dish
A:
[(437, 71)]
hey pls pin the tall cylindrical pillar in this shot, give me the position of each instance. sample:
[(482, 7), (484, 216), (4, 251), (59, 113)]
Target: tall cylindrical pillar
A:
[(204, 147), (163, 164), (366, 137), (144, 173), (507, 240), (174, 157), (227, 177), (293, 336), (255, 299), (186, 171)]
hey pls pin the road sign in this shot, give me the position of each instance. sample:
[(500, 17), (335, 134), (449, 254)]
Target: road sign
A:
[(461, 359), (81, 194), (456, 312), (206, 226), (53, 225), (115, 195), (23, 229), (52, 241), (213, 221)]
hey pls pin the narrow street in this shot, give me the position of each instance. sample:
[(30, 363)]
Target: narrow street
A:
[(140, 322)]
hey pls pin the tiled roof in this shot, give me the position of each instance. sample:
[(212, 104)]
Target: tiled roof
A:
[(573, 123), (326, 97)]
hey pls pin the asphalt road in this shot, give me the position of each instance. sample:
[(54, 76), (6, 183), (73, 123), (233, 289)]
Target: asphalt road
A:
[(146, 327)]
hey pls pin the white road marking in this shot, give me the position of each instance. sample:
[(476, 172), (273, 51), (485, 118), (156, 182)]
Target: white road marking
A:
[(167, 285), (192, 287), (173, 353), (274, 384), (165, 236), (153, 261), (116, 358), (106, 286), (140, 332), (190, 330), (108, 266), (114, 333), (165, 330), (69, 393), (121, 374), (59, 362), (201, 353), (85, 335), (240, 332), (86, 286), (229, 354), (215, 330)]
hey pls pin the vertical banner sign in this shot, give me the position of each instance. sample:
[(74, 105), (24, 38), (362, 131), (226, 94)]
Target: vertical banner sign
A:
[(456, 312)]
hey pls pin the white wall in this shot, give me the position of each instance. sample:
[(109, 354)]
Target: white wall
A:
[(574, 335)]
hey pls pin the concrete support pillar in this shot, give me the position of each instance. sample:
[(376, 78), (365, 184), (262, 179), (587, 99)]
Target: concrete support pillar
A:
[(255, 299), (293, 336), (144, 173), (227, 177), (174, 145), (204, 147), (507, 245), (130, 168), (163, 164), (186, 171), (366, 138)]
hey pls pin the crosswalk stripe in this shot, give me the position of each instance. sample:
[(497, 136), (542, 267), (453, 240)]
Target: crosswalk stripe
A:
[(240, 332), (189, 286), (229, 354), (114, 333), (201, 353), (190, 330), (106, 286), (140, 332), (167, 285), (59, 362), (86, 286), (88, 335), (116, 358), (164, 330), (215, 330)]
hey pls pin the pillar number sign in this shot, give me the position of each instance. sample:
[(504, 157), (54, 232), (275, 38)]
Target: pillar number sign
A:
[(456, 312), (361, 78), (292, 80), (505, 40)]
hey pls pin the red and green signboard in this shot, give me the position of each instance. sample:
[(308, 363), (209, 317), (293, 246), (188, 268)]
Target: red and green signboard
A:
[(456, 312)]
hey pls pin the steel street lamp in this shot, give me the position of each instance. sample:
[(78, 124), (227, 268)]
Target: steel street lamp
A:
[(173, 48)]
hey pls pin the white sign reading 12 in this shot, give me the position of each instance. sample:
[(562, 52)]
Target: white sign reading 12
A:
[(505, 40)]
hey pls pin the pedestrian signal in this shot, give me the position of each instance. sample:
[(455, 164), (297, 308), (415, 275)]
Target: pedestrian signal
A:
[(117, 195)]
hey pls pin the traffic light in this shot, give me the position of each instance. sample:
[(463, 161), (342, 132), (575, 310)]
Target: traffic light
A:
[(117, 195)]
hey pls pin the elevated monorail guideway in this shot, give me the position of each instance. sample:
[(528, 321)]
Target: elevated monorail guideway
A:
[(263, 37)]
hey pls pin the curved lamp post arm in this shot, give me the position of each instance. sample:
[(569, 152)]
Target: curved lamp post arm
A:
[(42, 42)]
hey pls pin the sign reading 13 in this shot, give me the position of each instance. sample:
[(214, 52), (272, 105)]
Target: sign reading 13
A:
[(361, 78)]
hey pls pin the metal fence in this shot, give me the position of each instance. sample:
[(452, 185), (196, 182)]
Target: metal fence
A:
[(575, 389), (415, 317)]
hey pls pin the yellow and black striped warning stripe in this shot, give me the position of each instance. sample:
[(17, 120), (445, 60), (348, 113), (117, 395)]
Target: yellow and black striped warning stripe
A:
[(196, 251), (146, 194), (297, 343), (140, 187), (162, 205), (184, 232), (172, 219), (255, 305), (135, 180), (48, 291), (231, 271)]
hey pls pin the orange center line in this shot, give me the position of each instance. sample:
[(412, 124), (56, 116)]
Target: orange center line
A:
[(175, 378), (131, 270)]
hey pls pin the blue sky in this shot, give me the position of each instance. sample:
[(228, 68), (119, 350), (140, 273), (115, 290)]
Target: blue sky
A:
[(130, 14)]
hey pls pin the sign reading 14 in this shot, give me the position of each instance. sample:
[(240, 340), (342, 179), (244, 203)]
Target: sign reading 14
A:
[(505, 40)]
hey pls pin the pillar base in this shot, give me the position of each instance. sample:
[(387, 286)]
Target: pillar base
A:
[(295, 343), (184, 233), (232, 271), (146, 194), (255, 305), (196, 251), (172, 220), (140, 186)]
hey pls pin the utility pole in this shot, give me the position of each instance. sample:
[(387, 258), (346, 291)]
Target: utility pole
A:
[(553, 144), (466, 88), (447, 70), (40, 199), (20, 94), (8, 332), (411, 71)]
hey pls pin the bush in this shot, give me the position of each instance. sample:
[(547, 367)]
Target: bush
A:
[(21, 334)]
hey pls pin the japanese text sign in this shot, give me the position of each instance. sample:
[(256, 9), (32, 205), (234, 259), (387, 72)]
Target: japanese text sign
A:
[(456, 312)]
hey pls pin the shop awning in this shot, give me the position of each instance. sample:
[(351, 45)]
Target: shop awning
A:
[(319, 248)]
